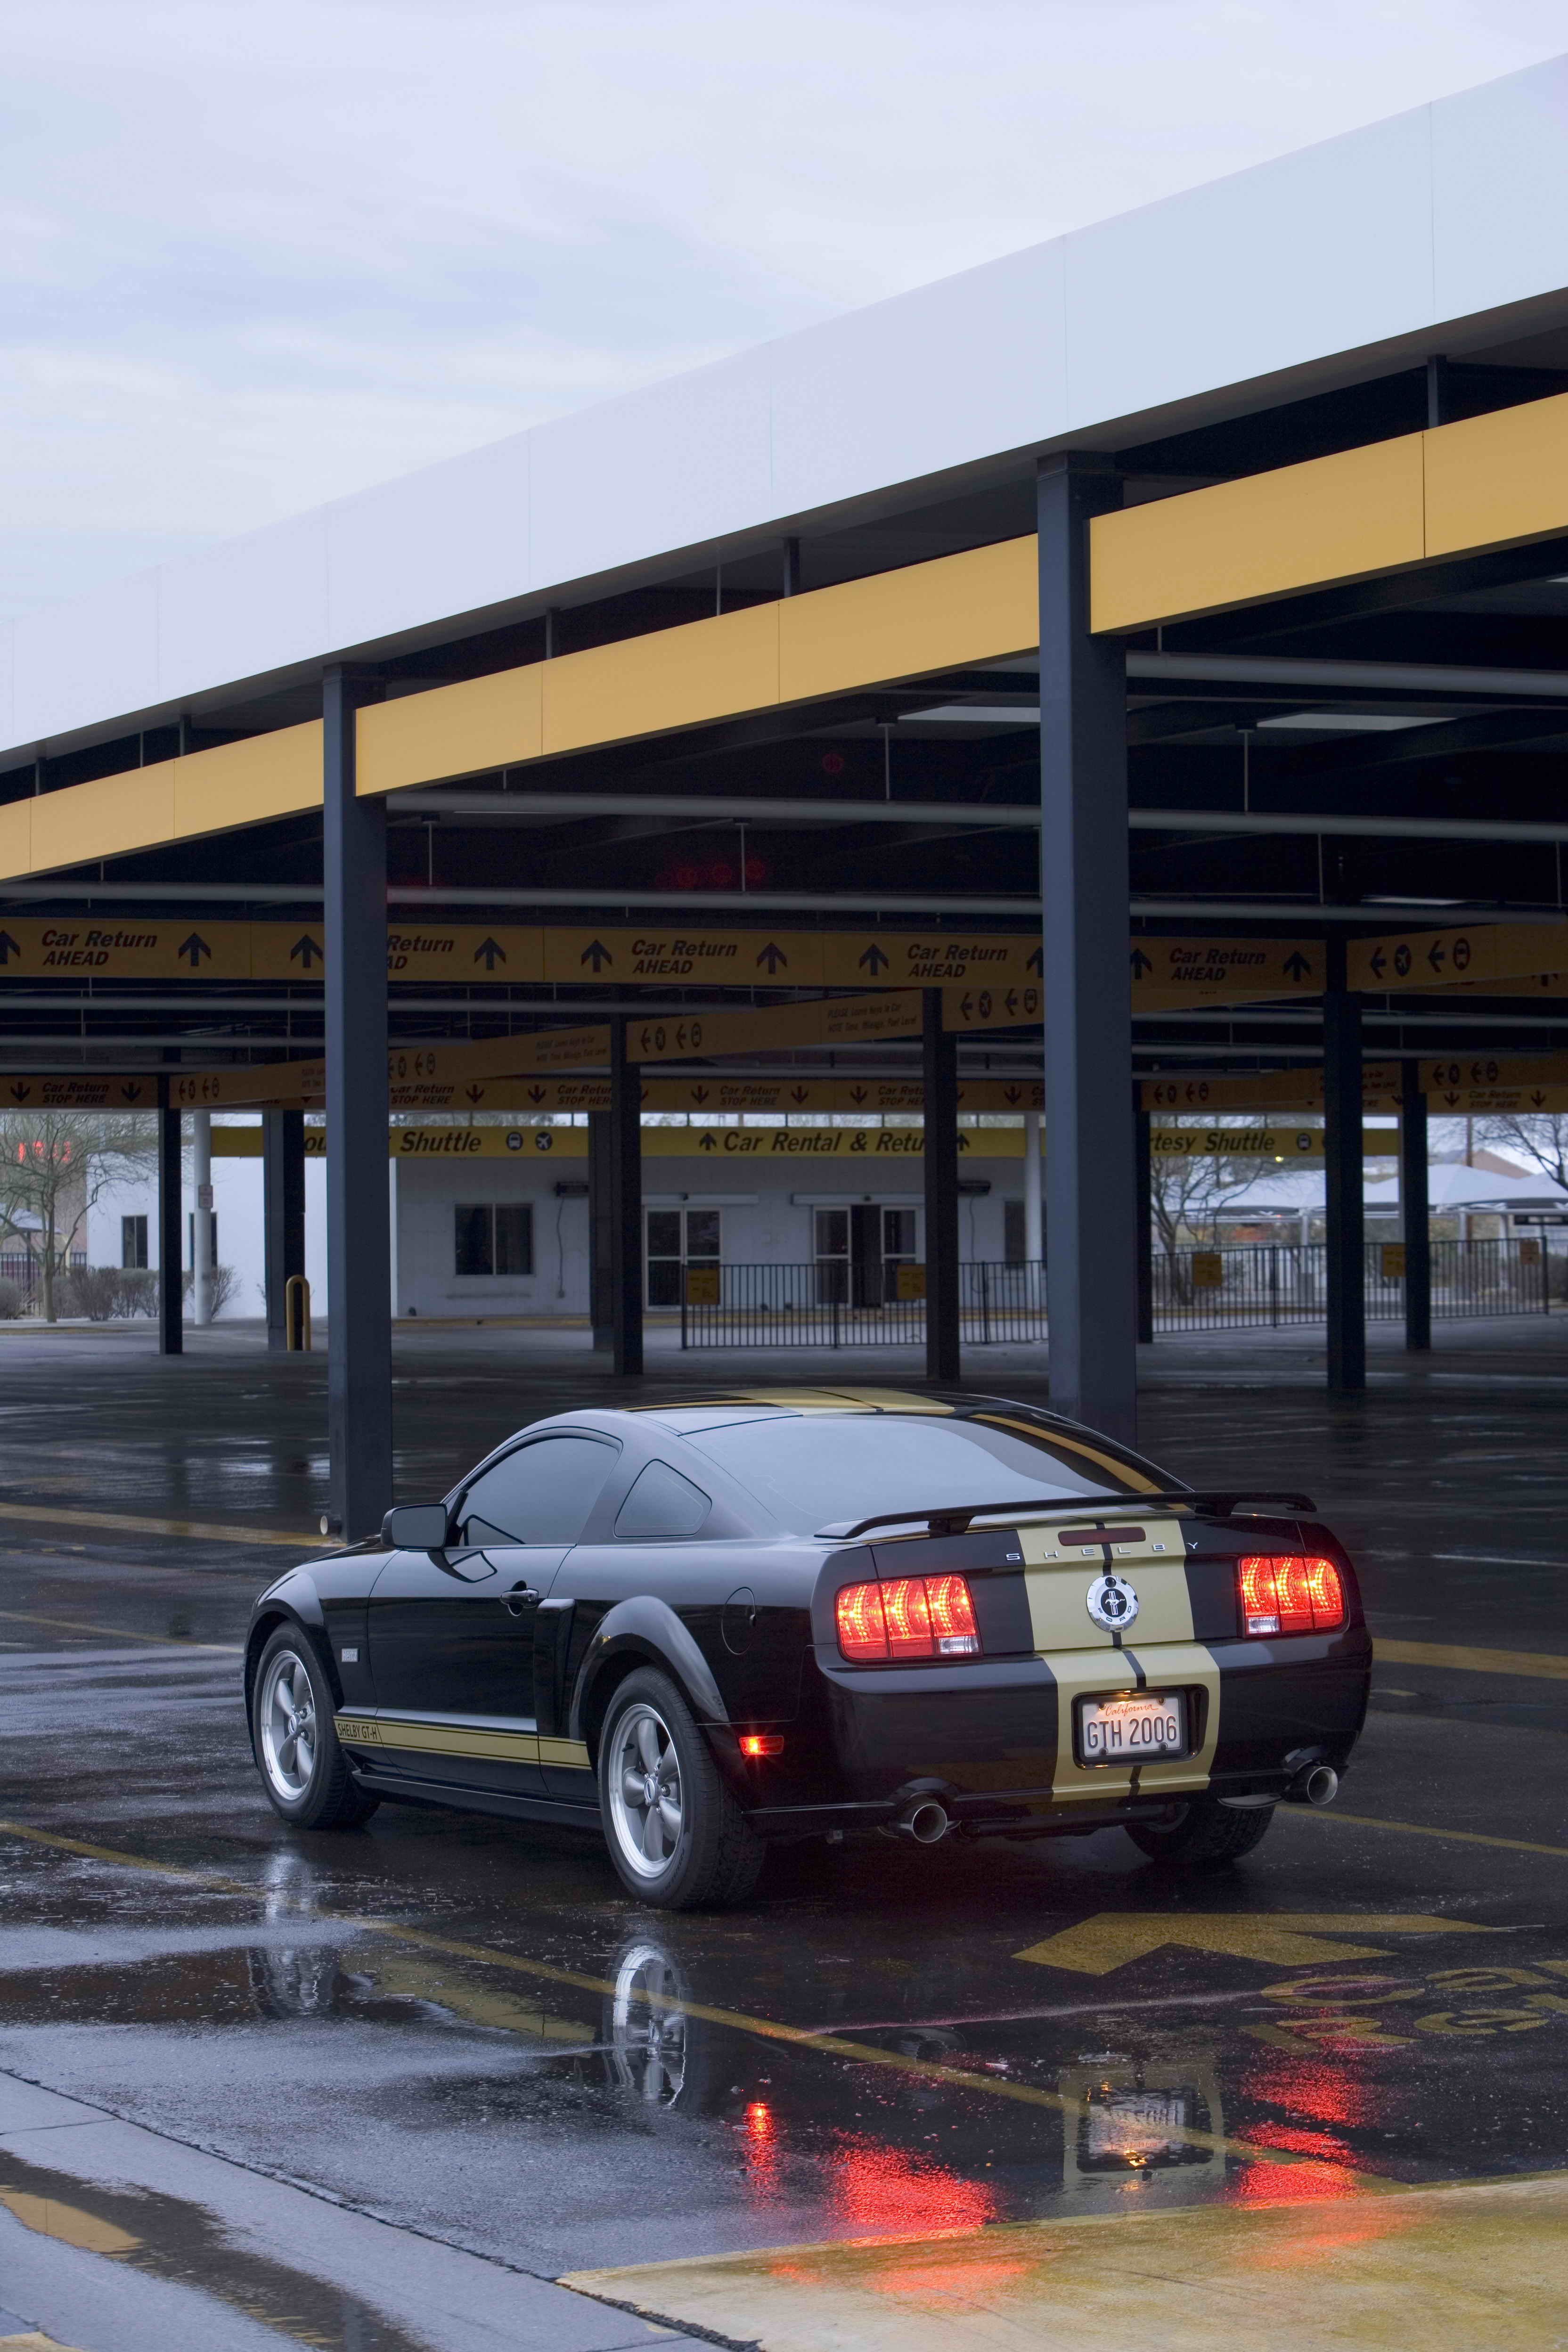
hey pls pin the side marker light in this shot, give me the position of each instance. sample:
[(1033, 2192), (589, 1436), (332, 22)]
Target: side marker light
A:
[(762, 1743)]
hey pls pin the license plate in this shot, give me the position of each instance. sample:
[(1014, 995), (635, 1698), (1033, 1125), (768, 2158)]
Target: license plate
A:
[(1132, 2126), (1133, 1730)]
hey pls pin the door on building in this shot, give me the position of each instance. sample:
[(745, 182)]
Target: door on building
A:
[(451, 1633), (859, 1251), (675, 1239)]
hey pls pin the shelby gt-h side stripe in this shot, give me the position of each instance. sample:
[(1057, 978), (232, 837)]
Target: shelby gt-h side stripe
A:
[(498, 1743)]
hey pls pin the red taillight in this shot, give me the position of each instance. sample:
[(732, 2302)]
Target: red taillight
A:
[(1289, 1594), (907, 1617)]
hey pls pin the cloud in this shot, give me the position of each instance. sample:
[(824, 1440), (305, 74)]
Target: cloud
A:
[(253, 258)]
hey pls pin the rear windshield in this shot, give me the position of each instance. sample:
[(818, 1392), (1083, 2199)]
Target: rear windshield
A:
[(820, 1469)]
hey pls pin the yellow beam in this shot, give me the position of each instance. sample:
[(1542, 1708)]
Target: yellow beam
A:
[(716, 1143), (1491, 481)]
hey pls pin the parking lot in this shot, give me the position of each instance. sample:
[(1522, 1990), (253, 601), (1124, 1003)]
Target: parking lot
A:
[(386, 2088)]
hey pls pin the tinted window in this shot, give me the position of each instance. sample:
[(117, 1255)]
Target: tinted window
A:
[(818, 1469), (541, 1494), (662, 1503)]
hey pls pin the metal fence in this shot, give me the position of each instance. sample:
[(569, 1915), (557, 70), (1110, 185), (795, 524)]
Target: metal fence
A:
[(1249, 1287), (816, 1306), (1261, 1286)]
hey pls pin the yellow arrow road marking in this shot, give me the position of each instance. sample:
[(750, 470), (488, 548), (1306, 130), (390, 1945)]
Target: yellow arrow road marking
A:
[(1113, 1938)]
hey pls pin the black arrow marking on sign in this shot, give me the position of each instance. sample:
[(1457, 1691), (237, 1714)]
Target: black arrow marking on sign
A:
[(20, 1094), (1436, 953), (1140, 963), (489, 952), (699, 1094), (536, 1094), (856, 1094), (307, 950), (1297, 966), (799, 1095), (598, 954), (1451, 1101), (1036, 964), (1379, 963), (193, 947), (708, 1144), (1010, 1094), (9, 946), (131, 1093), (772, 955), (475, 1094), (1538, 1098), (874, 960), (1011, 1000)]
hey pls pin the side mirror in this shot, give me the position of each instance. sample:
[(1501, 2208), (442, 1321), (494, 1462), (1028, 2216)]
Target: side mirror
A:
[(416, 1527)]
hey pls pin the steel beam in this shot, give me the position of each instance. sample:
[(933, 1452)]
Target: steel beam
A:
[(938, 1070), (1090, 1186), (171, 1238), (359, 1226), (1142, 1139), (282, 1212), (624, 1117), (1344, 1171), (1415, 1208)]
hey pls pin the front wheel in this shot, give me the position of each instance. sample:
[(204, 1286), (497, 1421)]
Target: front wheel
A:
[(676, 1837), (1207, 1836), (303, 1769)]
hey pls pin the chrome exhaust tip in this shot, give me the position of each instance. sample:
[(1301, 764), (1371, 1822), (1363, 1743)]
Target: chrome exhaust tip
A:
[(1318, 1785), (927, 1822)]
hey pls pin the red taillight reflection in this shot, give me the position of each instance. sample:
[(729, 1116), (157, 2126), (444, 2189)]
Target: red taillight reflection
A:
[(1289, 1594), (907, 1617)]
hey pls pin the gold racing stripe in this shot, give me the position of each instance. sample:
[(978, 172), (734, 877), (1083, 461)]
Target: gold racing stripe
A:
[(436, 1738), (1085, 1661)]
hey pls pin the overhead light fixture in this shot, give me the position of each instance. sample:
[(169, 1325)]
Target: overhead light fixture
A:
[(1391, 898), (1349, 722), (974, 714)]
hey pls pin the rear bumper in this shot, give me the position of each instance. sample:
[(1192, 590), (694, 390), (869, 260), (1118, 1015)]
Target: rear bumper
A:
[(997, 1740)]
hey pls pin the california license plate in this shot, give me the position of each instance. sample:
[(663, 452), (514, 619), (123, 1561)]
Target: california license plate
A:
[(1132, 1729)]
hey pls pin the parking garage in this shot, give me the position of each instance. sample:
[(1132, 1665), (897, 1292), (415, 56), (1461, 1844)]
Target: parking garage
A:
[(1148, 722)]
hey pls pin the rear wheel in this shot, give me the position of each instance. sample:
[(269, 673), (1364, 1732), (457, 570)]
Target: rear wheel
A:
[(676, 1835), (303, 1770), (1207, 1836)]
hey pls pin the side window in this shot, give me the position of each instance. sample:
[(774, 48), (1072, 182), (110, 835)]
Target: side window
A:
[(661, 1503), (541, 1494)]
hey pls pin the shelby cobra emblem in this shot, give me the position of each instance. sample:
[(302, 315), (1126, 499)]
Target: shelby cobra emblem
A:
[(1112, 1603)]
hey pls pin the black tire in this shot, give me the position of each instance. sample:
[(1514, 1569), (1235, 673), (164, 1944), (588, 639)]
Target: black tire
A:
[(713, 1858), (305, 1773), (1207, 1836)]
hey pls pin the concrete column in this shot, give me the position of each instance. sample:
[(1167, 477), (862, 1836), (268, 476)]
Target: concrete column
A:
[(1034, 1199), (939, 1066), (359, 1358), (282, 1212), (1344, 1169), (601, 1195), (1091, 1180), (1415, 1208), (170, 1223), (202, 1217), (625, 1205)]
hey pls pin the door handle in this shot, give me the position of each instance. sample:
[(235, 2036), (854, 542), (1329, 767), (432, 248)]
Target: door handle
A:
[(520, 1598)]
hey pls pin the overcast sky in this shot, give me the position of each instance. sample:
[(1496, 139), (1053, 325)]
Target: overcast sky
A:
[(254, 256)]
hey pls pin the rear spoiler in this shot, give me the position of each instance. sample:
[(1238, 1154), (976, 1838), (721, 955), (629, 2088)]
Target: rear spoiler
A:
[(954, 1518)]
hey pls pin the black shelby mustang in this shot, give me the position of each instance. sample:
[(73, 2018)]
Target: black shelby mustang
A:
[(705, 1625)]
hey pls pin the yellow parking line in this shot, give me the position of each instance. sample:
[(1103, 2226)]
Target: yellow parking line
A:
[(1541, 1665), (734, 2021), (1425, 1829), (203, 1530), (119, 1633)]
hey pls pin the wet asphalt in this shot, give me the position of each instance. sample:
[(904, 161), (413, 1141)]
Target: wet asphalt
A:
[(370, 2090)]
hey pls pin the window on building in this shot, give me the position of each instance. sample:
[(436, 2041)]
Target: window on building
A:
[(677, 1237), (493, 1237), (132, 1241), (190, 1235)]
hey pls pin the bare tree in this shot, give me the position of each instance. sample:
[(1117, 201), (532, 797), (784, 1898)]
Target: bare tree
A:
[(1540, 1138), (53, 1166), (1188, 1189)]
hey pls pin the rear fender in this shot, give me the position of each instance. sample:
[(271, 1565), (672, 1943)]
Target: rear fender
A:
[(648, 1629)]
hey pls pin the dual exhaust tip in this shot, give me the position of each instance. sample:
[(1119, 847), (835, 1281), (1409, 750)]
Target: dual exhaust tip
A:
[(927, 1821)]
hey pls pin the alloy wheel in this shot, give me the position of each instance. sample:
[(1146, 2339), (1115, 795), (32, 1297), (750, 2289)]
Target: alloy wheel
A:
[(287, 1721), (646, 1807)]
